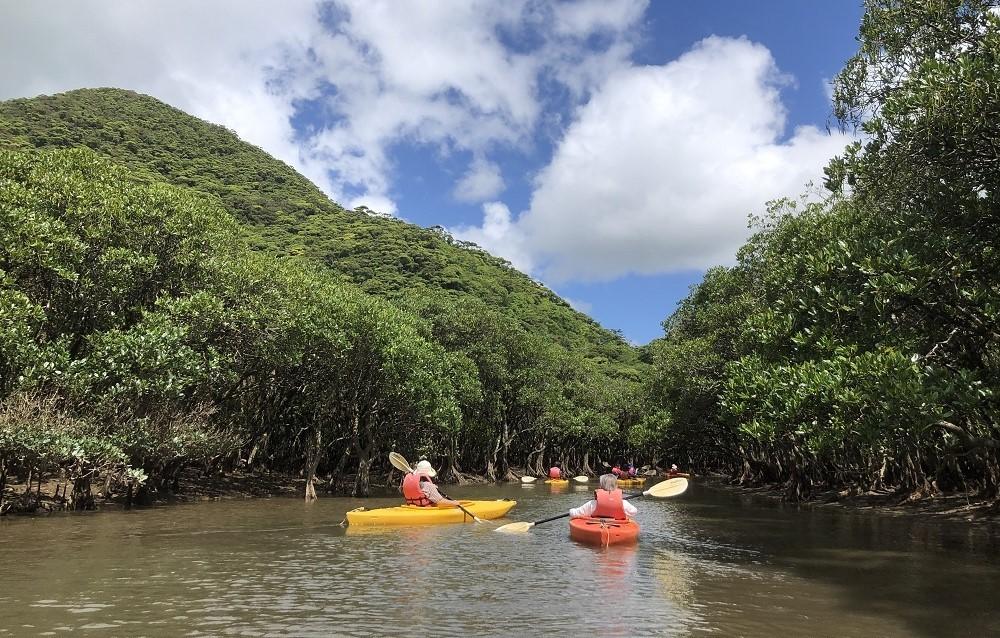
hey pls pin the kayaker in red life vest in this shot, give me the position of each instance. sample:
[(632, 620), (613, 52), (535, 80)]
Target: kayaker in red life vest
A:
[(617, 471), (673, 471), (555, 472), (607, 502), (419, 489)]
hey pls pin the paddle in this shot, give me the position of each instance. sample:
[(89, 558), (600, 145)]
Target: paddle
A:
[(527, 479), (581, 479), (670, 487), (400, 463)]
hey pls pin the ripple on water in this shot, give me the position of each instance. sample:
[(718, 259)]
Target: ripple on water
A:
[(705, 564)]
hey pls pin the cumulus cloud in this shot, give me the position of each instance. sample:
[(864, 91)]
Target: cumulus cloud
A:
[(660, 168), (482, 181), (224, 61), (498, 235), (579, 305), (441, 74)]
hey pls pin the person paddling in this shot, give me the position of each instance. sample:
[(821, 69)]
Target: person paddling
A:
[(419, 488), (673, 471), (555, 473), (607, 502)]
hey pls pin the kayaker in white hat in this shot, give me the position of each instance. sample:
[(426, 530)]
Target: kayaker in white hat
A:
[(419, 488), (607, 502)]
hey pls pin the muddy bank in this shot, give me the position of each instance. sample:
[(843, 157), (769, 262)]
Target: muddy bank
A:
[(959, 506), (50, 496), (193, 485)]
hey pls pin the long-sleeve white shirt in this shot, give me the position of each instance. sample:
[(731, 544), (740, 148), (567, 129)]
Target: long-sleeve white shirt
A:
[(587, 509)]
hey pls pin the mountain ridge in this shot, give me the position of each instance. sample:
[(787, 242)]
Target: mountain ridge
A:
[(286, 213)]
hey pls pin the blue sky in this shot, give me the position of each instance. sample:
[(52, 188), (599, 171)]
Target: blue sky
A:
[(610, 148)]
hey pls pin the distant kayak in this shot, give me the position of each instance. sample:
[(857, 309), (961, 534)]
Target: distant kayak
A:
[(603, 531), (557, 481), (414, 515), (633, 482), (671, 475)]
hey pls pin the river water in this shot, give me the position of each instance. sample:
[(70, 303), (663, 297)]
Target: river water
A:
[(708, 562)]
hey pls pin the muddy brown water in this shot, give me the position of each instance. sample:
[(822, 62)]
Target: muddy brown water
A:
[(709, 562)]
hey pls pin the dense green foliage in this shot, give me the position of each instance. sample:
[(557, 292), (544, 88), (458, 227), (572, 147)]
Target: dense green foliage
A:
[(206, 306), (288, 214), (172, 297), (855, 341)]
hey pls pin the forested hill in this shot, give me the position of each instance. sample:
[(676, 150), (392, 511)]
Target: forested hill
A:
[(288, 214)]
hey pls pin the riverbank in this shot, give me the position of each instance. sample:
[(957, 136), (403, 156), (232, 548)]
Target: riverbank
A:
[(192, 486), (950, 506), (195, 486)]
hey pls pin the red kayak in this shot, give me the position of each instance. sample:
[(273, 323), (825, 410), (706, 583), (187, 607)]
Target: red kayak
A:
[(603, 531)]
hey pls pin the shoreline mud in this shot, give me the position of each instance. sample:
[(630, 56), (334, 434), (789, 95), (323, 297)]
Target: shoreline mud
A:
[(958, 506), (194, 486)]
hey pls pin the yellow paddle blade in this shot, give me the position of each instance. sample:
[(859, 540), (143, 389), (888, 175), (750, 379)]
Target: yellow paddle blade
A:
[(670, 487), (399, 462), (527, 479), (581, 479), (514, 528)]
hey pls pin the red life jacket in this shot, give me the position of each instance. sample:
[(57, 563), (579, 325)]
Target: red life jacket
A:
[(609, 505), (412, 492), (555, 473)]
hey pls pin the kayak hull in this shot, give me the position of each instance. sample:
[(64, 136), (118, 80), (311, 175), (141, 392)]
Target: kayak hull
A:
[(631, 482), (414, 515), (603, 531), (557, 481)]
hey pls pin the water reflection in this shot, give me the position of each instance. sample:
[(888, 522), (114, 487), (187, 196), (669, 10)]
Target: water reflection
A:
[(674, 576)]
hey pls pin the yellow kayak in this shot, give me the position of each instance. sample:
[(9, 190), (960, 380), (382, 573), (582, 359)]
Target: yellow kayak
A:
[(557, 481), (414, 515), (631, 482)]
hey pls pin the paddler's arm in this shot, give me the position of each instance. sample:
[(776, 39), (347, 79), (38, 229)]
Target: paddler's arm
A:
[(584, 511), (435, 496)]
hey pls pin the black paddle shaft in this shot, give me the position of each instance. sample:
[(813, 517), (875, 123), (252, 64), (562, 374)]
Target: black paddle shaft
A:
[(473, 516), (554, 518)]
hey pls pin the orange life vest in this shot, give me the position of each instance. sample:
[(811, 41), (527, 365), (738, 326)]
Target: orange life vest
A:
[(609, 505), (412, 492)]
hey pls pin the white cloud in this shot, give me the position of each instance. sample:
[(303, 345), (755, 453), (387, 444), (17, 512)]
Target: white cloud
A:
[(590, 16), (660, 168), (215, 60), (433, 73), (440, 74), (579, 305), (498, 235), (483, 181)]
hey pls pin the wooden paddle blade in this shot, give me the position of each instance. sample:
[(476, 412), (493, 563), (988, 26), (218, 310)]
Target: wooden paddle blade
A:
[(527, 479), (514, 528), (581, 479), (670, 487), (399, 462)]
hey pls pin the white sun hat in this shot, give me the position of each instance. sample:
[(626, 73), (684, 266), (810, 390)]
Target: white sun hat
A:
[(425, 467)]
